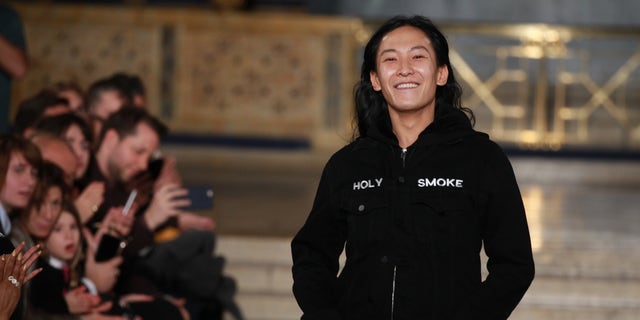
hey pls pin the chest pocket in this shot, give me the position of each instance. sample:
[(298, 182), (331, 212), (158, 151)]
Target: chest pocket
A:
[(365, 212), (442, 218)]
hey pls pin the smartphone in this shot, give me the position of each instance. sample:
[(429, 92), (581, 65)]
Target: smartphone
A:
[(110, 245), (201, 198), (155, 167), (108, 248)]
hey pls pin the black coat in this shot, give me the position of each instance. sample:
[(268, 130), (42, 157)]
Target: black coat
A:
[(413, 223)]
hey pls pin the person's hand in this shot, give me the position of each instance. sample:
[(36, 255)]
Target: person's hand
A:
[(80, 301), (166, 203), (135, 297), (103, 274), (13, 275), (90, 200), (180, 303), (168, 174), (117, 223), (188, 220), (104, 307)]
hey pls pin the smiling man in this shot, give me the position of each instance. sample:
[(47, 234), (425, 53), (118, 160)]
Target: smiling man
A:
[(413, 199)]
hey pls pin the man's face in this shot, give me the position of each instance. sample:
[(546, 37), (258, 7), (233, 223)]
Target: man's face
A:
[(131, 154), (109, 102), (407, 71)]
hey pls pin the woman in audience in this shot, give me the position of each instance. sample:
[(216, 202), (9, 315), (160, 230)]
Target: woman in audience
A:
[(35, 222), (77, 132), (19, 163), (72, 92)]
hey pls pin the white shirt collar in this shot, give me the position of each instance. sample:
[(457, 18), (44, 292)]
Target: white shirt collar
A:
[(5, 221), (56, 263)]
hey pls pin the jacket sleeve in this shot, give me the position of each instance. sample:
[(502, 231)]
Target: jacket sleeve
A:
[(506, 242), (315, 251)]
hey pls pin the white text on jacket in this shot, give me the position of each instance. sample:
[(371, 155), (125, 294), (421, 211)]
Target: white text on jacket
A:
[(367, 184), (440, 182)]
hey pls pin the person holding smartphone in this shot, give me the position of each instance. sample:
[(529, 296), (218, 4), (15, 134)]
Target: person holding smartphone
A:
[(127, 142)]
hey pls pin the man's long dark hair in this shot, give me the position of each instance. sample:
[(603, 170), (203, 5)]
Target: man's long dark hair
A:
[(371, 106)]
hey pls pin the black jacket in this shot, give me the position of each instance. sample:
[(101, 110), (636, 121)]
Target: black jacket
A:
[(414, 222)]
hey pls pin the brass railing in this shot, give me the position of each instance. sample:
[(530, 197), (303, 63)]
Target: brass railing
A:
[(551, 87)]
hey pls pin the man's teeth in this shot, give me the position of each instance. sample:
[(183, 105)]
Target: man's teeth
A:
[(406, 85)]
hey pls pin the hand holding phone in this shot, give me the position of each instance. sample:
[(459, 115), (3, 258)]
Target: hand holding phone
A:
[(111, 242), (201, 198)]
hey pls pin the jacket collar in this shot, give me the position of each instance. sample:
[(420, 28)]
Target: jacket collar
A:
[(449, 126)]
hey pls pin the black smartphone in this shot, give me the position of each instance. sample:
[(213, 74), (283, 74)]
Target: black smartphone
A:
[(154, 167), (108, 247), (201, 198)]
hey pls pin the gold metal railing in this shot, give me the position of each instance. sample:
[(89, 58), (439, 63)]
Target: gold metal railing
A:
[(551, 87)]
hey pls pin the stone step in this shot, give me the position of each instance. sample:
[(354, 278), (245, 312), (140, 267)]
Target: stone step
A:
[(557, 304), (571, 283), (524, 312)]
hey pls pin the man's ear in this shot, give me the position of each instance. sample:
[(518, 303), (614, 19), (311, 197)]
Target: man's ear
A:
[(110, 139), (443, 75), (375, 81)]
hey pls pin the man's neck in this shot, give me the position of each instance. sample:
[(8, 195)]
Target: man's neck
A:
[(407, 126)]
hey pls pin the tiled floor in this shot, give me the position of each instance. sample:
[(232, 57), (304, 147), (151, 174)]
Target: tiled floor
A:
[(584, 218)]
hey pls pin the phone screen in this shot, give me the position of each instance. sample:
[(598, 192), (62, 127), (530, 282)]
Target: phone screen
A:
[(201, 198)]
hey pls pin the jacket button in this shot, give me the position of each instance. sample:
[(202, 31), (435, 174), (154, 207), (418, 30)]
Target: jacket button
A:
[(401, 179), (384, 259), (361, 207)]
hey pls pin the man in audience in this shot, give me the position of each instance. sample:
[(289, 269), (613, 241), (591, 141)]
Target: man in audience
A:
[(44, 103), (58, 151)]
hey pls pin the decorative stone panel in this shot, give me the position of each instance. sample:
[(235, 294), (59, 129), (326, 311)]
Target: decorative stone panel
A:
[(208, 73)]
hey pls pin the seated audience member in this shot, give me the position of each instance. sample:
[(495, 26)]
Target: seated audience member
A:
[(72, 92), (57, 151), (77, 132), (128, 139), (107, 96), (103, 98), (44, 103), (61, 291), (35, 221), (14, 266), (19, 164), (131, 87)]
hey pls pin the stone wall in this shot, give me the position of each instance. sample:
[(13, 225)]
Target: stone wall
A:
[(275, 76)]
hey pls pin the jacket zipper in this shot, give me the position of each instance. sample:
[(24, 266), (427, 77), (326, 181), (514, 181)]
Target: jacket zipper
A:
[(403, 156), (393, 291)]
